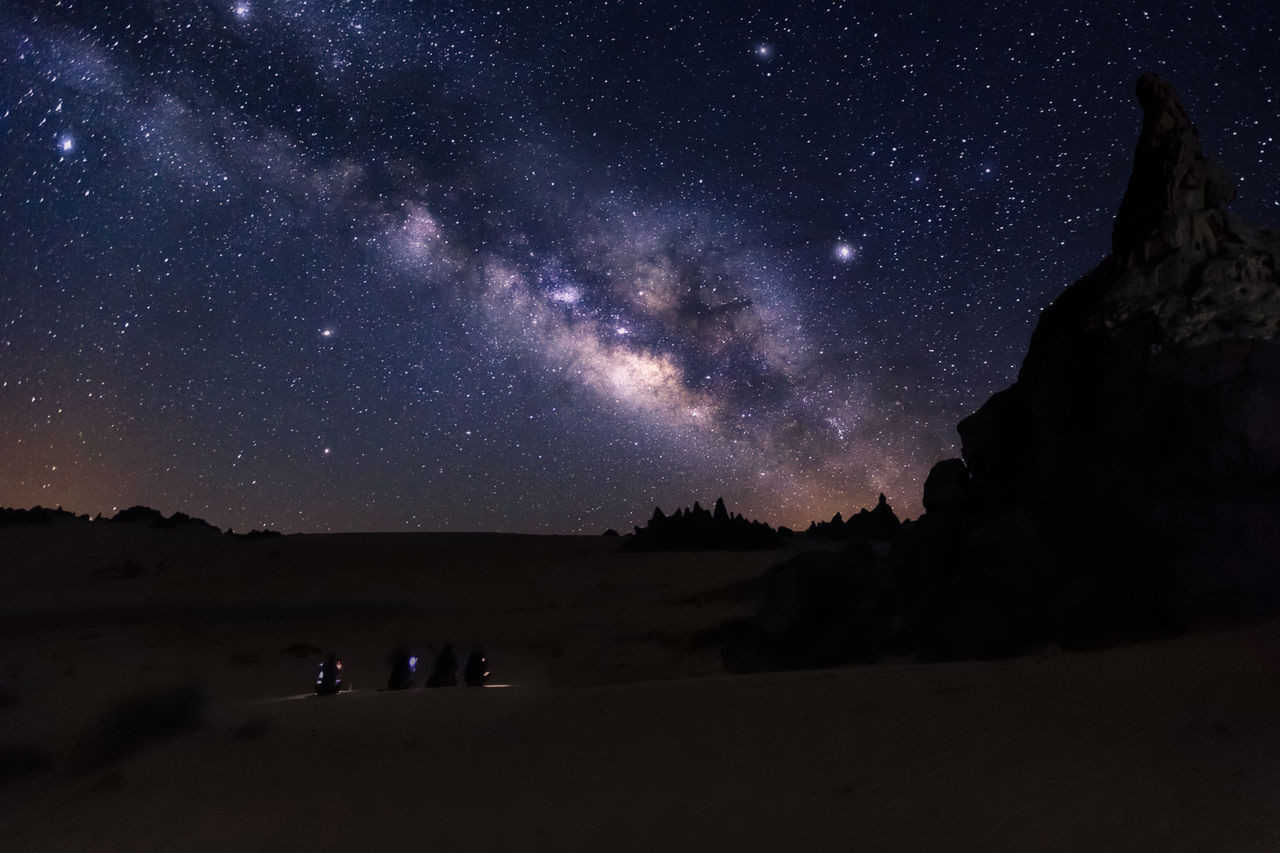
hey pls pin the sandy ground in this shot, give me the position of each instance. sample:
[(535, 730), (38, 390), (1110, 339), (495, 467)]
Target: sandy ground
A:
[(616, 734)]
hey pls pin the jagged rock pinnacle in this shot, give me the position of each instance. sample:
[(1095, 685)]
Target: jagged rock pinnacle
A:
[(1171, 174)]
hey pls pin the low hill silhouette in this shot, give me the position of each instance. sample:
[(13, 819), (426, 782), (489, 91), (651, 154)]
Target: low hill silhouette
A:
[(155, 518), (142, 516), (36, 515)]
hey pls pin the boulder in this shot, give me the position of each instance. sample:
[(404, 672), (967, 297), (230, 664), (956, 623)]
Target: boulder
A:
[(947, 485)]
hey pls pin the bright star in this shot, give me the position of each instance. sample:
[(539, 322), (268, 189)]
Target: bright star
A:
[(763, 50), (240, 10), (66, 143), (845, 252), (326, 333)]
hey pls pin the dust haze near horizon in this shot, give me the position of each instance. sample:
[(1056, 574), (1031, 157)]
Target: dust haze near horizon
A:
[(360, 266)]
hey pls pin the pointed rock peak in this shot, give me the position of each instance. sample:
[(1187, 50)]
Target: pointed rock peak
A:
[(720, 513), (1171, 174), (882, 501)]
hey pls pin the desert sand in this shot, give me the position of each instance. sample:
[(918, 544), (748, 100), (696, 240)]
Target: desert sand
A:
[(618, 730)]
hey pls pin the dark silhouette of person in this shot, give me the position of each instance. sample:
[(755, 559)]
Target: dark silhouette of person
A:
[(445, 671), (329, 679), (403, 666), (476, 672)]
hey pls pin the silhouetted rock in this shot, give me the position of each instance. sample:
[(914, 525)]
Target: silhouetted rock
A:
[(1171, 174), (719, 515), (947, 485), (1125, 486), (1151, 389), (819, 608), (1140, 444), (155, 518), (255, 534), (36, 515), (697, 528), (139, 514), (133, 515), (876, 525)]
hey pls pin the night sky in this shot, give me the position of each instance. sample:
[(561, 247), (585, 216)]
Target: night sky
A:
[(323, 265)]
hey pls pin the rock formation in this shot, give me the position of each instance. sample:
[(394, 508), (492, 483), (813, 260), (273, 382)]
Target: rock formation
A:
[(875, 525), (1154, 376), (155, 518), (1127, 484), (696, 528), (14, 517)]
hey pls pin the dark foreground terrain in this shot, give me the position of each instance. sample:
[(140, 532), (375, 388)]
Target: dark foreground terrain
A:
[(166, 707)]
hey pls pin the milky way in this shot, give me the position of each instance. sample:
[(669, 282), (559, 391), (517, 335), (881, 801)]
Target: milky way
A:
[(325, 265)]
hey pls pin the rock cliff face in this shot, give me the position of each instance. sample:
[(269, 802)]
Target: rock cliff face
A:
[(1126, 485), (1157, 375)]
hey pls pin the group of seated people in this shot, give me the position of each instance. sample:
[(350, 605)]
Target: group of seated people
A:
[(404, 667)]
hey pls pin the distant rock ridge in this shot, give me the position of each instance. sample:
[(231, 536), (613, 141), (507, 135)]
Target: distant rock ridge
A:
[(876, 525), (136, 515), (1126, 485), (697, 528), (155, 518), (13, 517)]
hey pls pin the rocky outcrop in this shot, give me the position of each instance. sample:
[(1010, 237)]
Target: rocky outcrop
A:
[(155, 518), (1171, 174), (696, 529), (15, 517), (132, 515), (1154, 377), (819, 608), (1128, 483), (875, 525)]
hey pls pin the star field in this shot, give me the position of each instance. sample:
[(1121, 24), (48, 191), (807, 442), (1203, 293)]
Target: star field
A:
[(323, 265)]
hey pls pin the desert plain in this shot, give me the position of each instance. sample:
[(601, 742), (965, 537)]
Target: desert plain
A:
[(156, 698)]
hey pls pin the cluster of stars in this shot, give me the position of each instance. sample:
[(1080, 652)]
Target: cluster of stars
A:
[(356, 265)]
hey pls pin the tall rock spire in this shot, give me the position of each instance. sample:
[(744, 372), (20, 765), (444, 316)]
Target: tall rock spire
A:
[(1156, 375), (1171, 174)]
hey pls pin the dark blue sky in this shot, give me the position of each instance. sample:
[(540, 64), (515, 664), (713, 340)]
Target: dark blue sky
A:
[(328, 265)]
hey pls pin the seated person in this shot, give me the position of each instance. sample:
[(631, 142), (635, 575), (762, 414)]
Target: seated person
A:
[(445, 671)]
